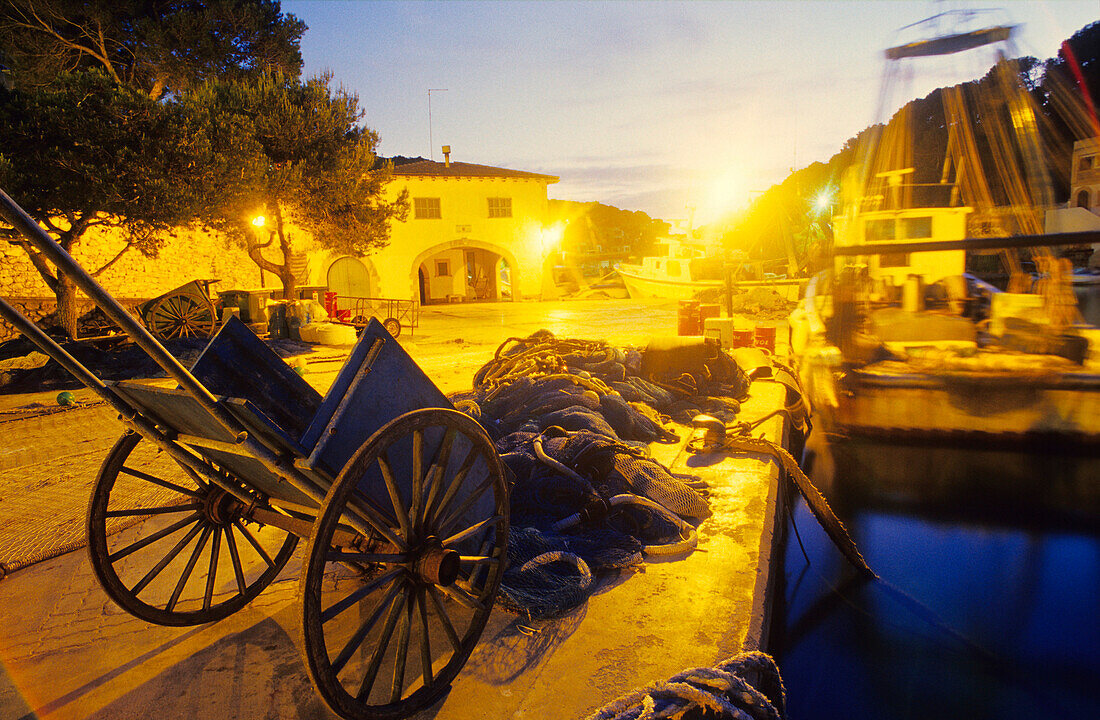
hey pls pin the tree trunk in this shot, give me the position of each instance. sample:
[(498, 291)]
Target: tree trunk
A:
[(67, 314), (286, 273)]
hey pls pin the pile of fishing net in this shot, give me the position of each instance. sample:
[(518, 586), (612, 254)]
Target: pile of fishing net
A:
[(572, 420)]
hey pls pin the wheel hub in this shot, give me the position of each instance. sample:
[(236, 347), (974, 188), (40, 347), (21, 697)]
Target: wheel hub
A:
[(220, 507), (437, 565)]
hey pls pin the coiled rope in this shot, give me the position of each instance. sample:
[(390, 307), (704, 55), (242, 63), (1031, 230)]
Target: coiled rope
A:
[(722, 691)]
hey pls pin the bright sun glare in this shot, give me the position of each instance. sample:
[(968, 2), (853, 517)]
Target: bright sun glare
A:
[(727, 194)]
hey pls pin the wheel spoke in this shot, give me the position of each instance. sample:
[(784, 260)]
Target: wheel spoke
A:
[(156, 570), (417, 477), (149, 540), (444, 618), (356, 639), (380, 648), (472, 530), (403, 646), (340, 556), (463, 597), (151, 511), (364, 509), (435, 480), (456, 482), (163, 483), (238, 571), (254, 543), (445, 526), (188, 569), (359, 594), (425, 640), (215, 546), (395, 498)]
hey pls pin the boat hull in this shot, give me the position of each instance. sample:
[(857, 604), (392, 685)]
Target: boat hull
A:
[(640, 286)]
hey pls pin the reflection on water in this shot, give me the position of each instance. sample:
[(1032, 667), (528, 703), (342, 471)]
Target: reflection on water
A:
[(1088, 302), (973, 618)]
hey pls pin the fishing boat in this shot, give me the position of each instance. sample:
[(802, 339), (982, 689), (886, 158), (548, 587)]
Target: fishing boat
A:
[(685, 270), (681, 272), (906, 359)]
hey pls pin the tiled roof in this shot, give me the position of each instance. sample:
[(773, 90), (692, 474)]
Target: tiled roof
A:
[(430, 168)]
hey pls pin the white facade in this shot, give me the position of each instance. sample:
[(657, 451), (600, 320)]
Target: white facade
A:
[(473, 232)]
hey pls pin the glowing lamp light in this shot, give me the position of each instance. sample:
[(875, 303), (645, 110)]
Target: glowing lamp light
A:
[(550, 237), (823, 201), (259, 221)]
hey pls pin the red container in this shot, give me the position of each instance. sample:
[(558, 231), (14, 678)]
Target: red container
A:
[(709, 311), (742, 338), (688, 321), (765, 338)]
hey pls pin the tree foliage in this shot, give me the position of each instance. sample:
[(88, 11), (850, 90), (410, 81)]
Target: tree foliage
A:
[(317, 168), (86, 152), (592, 223), (161, 46), (98, 130)]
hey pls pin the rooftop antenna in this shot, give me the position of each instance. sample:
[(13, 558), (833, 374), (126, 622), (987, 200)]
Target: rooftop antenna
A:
[(431, 143)]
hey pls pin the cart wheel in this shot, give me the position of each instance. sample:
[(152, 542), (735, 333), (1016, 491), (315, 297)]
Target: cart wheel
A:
[(393, 327), (429, 488), (171, 549), (181, 316)]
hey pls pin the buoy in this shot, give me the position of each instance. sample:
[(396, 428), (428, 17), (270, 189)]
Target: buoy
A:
[(66, 398)]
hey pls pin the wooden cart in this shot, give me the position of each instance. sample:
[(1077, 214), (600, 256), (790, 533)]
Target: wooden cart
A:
[(202, 501), (184, 312)]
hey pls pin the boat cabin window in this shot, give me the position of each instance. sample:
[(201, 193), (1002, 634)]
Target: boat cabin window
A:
[(673, 268), (877, 230), (894, 260), (913, 228)]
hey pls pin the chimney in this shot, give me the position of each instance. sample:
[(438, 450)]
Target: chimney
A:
[(446, 156)]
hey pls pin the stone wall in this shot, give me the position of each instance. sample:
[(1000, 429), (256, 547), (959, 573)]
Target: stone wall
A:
[(191, 255)]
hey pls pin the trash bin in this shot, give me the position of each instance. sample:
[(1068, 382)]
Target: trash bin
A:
[(276, 324), (687, 319)]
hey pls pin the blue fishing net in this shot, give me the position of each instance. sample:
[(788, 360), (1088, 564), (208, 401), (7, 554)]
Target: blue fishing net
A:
[(572, 421)]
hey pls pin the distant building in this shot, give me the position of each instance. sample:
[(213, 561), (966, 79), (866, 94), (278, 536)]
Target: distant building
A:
[(1082, 212), (1085, 178), (474, 232)]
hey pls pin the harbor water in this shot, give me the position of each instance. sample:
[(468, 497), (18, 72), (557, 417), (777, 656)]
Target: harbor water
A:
[(983, 611)]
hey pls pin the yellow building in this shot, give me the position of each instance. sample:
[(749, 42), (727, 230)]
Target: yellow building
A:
[(474, 232)]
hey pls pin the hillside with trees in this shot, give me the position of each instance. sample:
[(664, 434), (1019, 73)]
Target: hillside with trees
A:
[(1060, 89)]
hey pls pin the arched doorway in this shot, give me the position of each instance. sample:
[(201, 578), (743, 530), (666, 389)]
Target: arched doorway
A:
[(349, 278), (462, 271)]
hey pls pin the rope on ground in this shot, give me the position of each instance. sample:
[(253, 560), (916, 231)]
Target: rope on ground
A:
[(723, 691)]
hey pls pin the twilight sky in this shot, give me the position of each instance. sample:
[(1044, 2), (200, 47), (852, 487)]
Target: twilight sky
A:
[(649, 106)]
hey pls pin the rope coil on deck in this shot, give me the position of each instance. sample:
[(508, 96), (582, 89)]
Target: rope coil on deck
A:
[(722, 691)]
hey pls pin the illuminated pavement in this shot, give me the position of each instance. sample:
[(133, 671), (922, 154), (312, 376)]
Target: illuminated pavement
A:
[(68, 652)]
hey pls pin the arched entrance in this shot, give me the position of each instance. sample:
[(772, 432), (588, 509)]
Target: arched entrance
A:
[(349, 278), (463, 271)]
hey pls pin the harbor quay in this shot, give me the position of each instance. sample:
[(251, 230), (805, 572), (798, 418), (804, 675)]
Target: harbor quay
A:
[(69, 652)]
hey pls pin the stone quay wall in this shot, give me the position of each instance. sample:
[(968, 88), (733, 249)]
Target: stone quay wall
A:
[(191, 255)]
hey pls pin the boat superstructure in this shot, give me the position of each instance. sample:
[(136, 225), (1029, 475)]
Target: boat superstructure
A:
[(896, 341)]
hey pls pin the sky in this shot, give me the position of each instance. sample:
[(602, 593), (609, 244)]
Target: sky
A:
[(672, 108)]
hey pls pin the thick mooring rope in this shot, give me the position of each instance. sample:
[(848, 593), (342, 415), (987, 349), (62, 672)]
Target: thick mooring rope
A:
[(723, 691)]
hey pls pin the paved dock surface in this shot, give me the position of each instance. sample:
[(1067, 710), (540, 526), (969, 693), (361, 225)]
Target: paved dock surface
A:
[(68, 652)]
